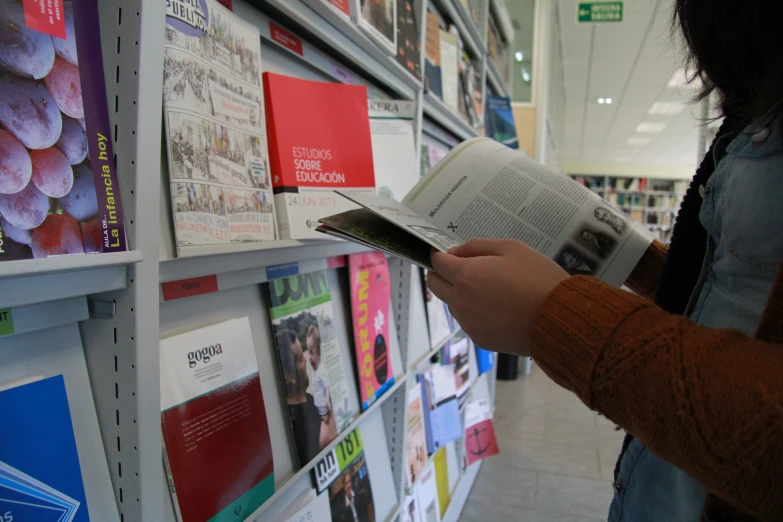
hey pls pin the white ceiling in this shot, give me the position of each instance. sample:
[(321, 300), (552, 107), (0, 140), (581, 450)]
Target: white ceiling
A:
[(630, 62)]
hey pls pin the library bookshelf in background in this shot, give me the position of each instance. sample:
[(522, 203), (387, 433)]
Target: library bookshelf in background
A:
[(652, 202)]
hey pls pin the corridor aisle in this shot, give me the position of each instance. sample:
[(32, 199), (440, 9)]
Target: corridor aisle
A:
[(556, 462)]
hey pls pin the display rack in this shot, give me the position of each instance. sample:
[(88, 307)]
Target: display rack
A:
[(99, 318)]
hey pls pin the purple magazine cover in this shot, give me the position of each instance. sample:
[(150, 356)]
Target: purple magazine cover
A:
[(58, 181)]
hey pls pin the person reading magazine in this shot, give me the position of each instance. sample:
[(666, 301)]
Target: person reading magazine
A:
[(483, 189)]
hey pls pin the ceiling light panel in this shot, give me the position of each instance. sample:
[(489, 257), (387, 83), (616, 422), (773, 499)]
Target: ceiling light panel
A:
[(651, 127), (667, 108), (638, 141)]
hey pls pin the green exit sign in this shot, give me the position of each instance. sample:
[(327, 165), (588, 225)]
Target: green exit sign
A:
[(592, 12)]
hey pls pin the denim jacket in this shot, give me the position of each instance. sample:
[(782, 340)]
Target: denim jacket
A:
[(742, 212)]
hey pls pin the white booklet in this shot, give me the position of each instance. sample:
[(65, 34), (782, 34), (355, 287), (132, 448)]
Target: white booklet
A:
[(483, 189)]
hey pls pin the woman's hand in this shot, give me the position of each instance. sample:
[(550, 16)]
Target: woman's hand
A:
[(494, 288)]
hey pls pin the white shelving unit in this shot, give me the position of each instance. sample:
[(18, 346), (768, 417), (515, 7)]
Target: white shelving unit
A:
[(98, 319)]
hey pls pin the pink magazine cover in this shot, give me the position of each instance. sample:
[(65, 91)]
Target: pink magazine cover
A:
[(370, 299)]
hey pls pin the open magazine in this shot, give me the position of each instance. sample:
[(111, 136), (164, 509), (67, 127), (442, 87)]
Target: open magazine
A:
[(483, 189)]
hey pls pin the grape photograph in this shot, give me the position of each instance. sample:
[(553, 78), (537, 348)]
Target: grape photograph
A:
[(48, 202)]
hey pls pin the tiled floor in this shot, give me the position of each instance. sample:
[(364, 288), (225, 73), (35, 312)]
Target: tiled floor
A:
[(556, 461)]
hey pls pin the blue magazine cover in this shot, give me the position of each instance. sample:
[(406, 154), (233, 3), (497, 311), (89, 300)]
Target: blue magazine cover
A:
[(499, 121), (485, 360), (40, 475)]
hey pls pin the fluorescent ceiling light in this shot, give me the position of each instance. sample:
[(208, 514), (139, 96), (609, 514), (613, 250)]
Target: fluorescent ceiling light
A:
[(679, 80), (651, 127), (602, 101), (637, 141), (667, 108), (609, 101), (519, 56), (525, 75)]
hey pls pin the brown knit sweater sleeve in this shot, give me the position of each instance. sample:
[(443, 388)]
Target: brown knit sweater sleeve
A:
[(708, 401), (646, 275)]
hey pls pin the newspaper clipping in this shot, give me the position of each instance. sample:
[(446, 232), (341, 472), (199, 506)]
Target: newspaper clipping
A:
[(216, 135)]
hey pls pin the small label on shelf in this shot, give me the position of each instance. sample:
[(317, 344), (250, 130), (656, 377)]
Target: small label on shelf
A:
[(6, 321), (45, 17), (335, 262), (189, 287), (278, 271), (285, 38), (340, 74)]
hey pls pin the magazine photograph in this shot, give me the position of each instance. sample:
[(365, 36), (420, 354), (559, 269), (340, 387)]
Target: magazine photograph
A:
[(316, 387), (55, 149), (215, 131), (379, 19), (350, 495)]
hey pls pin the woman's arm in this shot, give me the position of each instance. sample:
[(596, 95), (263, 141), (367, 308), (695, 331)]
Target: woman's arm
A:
[(708, 401), (647, 273)]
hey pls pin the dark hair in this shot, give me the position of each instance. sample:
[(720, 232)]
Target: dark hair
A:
[(285, 340), (736, 49)]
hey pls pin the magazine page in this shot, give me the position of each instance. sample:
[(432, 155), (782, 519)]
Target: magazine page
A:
[(370, 303), (484, 189), (316, 388), (411, 220), (216, 142)]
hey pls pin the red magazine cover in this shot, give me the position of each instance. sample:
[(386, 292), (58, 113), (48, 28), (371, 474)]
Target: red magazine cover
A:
[(217, 450), (319, 141), (58, 184)]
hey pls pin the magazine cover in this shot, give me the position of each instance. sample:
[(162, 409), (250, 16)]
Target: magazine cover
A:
[(480, 440), (316, 388), (456, 353), (370, 302), (449, 68), (485, 360), (41, 478), (58, 180), (429, 508), (416, 442), (432, 75), (393, 146), (344, 474), (213, 104), (410, 509), (378, 18), (319, 141), (409, 36), (214, 423), (441, 465), (438, 317), (500, 124)]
